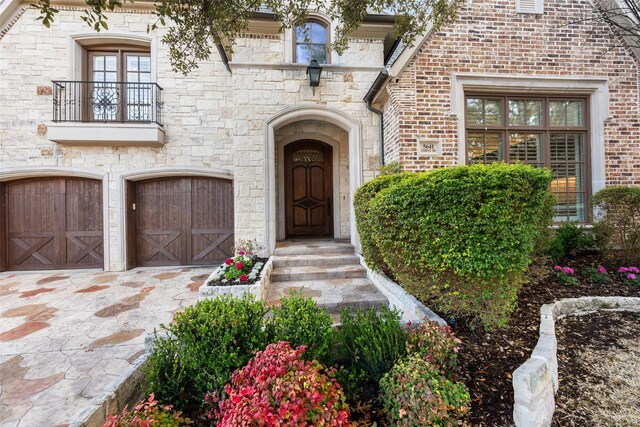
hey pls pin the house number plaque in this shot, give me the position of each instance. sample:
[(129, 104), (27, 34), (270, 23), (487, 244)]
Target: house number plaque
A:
[(428, 147)]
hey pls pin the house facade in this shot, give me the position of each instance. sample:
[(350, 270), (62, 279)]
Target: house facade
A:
[(109, 159)]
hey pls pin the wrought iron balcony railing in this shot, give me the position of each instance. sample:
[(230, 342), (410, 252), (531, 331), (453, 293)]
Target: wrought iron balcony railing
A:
[(107, 102)]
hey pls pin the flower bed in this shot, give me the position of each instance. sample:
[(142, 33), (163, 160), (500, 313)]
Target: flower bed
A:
[(235, 361)]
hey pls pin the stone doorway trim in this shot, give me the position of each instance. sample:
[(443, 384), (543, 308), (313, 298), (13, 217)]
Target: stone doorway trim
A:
[(295, 114), (335, 145)]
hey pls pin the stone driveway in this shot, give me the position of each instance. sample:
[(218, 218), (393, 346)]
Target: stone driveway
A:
[(66, 337)]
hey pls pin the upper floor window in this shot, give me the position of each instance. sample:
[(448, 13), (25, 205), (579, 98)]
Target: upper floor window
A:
[(543, 131), (311, 42)]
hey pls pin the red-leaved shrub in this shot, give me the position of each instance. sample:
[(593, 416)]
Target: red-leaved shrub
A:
[(278, 388), (148, 414), (434, 343)]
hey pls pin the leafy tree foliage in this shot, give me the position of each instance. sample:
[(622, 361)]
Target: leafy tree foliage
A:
[(196, 26)]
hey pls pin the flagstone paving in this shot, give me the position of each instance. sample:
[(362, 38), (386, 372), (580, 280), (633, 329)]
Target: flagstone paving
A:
[(67, 337)]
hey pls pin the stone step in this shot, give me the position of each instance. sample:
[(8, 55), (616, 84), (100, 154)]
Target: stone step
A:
[(314, 272), (327, 247), (333, 295), (314, 260)]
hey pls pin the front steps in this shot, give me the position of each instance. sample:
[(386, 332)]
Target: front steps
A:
[(327, 271)]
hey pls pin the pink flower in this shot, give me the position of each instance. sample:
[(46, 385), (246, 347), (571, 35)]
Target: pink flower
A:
[(240, 252), (631, 276), (239, 265), (635, 270), (557, 268), (623, 270), (601, 269), (229, 261), (244, 278), (568, 270)]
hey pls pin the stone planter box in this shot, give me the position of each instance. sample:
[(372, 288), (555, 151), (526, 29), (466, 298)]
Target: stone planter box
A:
[(258, 289)]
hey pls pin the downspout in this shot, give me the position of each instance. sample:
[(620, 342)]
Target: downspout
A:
[(223, 55), (368, 99)]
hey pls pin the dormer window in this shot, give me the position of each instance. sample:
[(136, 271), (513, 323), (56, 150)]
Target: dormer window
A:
[(311, 42)]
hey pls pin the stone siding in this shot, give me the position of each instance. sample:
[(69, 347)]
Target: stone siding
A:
[(213, 119), (489, 37)]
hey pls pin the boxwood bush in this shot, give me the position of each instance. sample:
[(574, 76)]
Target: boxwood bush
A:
[(202, 347), (462, 237), (365, 221)]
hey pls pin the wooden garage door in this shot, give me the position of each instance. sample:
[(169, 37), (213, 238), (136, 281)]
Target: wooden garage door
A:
[(183, 221), (53, 223)]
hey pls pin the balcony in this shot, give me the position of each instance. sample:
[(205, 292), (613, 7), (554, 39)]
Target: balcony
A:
[(106, 113)]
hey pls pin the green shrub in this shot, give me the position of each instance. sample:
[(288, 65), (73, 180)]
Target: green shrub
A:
[(365, 221), (368, 343), (300, 321), (619, 224), (434, 343), (569, 239), (391, 168), (416, 394), (202, 347), (462, 237)]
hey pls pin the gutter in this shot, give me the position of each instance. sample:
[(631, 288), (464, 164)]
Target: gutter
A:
[(223, 56), (368, 99)]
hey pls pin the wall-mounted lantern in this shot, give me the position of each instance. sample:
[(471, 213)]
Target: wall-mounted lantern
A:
[(313, 71)]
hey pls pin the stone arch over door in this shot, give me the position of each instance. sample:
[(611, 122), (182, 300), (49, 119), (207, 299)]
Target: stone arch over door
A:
[(317, 113)]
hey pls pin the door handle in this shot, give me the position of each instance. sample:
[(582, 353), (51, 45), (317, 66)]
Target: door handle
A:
[(328, 206)]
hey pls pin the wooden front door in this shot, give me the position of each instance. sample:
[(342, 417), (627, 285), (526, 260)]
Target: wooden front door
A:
[(308, 189), (53, 223), (180, 221)]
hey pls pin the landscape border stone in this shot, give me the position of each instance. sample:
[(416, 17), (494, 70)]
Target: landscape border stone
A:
[(258, 289), (126, 390), (412, 310), (535, 382)]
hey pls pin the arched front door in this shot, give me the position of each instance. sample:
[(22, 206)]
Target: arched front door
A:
[(308, 189)]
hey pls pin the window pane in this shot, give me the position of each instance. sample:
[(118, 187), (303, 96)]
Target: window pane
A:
[(492, 112), (145, 63), (145, 77), (318, 33), (319, 53), (534, 113), (484, 147), (303, 53), (557, 113), (568, 185), (517, 112), (98, 76), (474, 111), (110, 63), (132, 77), (303, 33), (526, 148), (132, 63), (98, 62), (574, 113), (111, 77)]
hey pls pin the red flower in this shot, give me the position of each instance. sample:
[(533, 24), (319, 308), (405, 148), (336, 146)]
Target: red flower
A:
[(239, 265), (244, 278), (229, 261)]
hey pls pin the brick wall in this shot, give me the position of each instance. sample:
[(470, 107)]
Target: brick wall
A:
[(489, 37)]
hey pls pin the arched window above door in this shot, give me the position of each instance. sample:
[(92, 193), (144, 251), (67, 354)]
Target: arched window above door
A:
[(311, 42)]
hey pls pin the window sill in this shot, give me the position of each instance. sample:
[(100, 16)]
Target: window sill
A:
[(112, 134)]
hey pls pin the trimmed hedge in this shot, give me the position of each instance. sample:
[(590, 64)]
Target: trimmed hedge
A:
[(365, 222), (619, 224), (460, 238)]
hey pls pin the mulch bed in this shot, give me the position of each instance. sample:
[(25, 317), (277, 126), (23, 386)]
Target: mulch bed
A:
[(599, 370), (487, 359)]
